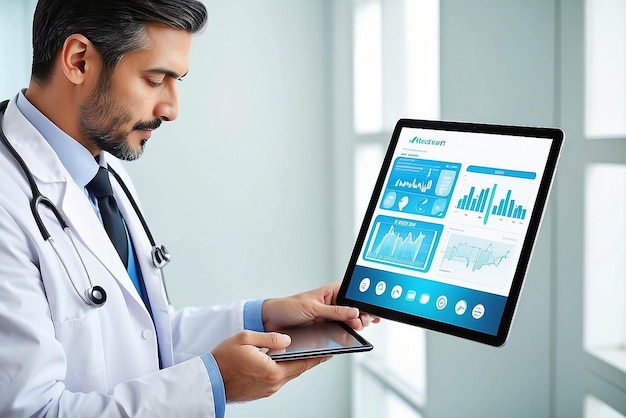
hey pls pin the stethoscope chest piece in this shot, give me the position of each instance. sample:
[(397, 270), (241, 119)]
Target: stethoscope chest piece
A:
[(96, 295), (160, 256)]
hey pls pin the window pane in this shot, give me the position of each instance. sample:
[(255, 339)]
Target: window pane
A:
[(397, 408), (367, 162), (379, 401), (367, 67), (406, 355), (595, 408), (605, 65), (398, 358), (422, 51), (605, 263), (396, 62)]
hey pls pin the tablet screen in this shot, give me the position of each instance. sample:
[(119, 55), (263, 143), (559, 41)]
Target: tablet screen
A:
[(448, 234)]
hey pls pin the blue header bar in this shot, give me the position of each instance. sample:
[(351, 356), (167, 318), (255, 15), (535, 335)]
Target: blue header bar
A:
[(502, 172)]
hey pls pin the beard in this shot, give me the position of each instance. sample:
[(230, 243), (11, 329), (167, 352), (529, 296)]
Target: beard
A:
[(102, 121)]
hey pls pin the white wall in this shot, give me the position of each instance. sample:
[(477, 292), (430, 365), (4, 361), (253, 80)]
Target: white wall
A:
[(15, 47), (237, 186)]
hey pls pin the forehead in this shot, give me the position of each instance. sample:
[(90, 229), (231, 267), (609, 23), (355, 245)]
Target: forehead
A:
[(166, 48)]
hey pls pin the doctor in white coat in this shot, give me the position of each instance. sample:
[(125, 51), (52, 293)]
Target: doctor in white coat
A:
[(104, 76)]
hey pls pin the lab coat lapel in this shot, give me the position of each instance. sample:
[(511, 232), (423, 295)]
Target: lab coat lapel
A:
[(82, 219), (151, 275), (52, 182)]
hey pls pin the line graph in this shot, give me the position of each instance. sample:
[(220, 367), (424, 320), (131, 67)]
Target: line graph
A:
[(401, 242), (421, 187), (415, 184), (475, 257), (477, 260)]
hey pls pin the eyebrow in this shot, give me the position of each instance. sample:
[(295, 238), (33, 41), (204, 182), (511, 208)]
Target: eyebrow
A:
[(168, 73)]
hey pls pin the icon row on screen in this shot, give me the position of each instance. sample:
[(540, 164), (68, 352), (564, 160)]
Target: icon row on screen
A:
[(424, 298)]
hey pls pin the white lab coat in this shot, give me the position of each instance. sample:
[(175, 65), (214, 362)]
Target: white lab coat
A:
[(61, 357)]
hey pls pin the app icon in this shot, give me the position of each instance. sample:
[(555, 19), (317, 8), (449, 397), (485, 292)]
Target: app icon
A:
[(380, 288), (442, 301), (478, 311), (396, 292), (410, 295), (365, 284), (461, 307), (424, 298)]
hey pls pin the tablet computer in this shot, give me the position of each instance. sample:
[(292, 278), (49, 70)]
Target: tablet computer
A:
[(321, 339), (449, 231)]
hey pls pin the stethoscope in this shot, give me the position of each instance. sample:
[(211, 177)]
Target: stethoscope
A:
[(94, 295)]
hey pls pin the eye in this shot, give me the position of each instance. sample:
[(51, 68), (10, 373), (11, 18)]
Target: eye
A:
[(154, 83)]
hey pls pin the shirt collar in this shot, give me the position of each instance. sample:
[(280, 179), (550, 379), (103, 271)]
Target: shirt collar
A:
[(77, 160)]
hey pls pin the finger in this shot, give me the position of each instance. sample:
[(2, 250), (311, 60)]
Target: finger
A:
[(270, 340), (364, 320), (337, 313), (355, 324), (368, 319)]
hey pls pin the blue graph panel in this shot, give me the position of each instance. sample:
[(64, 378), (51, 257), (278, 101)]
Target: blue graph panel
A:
[(403, 243), (420, 187)]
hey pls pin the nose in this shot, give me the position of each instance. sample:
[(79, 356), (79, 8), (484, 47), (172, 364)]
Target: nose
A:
[(167, 107)]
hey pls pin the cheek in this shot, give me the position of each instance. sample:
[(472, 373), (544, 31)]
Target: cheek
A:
[(134, 94)]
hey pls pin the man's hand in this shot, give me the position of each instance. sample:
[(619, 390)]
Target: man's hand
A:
[(248, 373), (306, 308)]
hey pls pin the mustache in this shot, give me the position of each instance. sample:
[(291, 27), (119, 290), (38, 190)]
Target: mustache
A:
[(147, 126)]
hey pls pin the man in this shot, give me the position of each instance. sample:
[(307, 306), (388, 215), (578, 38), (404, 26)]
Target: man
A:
[(104, 77)]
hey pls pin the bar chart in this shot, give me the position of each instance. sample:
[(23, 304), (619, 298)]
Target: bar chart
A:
[(485, 201)]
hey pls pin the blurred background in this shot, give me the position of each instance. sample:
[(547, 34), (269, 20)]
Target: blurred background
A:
[(259, 187)]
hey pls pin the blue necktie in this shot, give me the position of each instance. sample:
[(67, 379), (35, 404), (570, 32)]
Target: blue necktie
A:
[(100, 187)]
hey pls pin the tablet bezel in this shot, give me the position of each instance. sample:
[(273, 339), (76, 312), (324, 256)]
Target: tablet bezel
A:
[(323, 351), (554, 134)]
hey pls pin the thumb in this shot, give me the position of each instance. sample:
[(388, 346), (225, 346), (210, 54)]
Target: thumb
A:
[(271, 340)]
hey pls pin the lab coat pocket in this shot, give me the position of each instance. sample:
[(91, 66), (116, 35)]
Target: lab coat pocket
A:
[(84, 355)]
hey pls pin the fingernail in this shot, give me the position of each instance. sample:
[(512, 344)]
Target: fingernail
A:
[(284, 339)]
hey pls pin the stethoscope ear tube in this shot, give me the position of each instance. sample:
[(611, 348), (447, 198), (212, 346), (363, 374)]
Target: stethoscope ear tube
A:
[(39, 199), (160, 255)]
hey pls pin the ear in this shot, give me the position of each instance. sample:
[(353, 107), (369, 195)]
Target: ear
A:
[(79, 59)]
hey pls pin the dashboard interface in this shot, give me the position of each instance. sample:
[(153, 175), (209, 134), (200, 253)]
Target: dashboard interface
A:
[(451, 225)]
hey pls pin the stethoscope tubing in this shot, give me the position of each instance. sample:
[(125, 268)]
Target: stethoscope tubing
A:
[(94, 295)]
